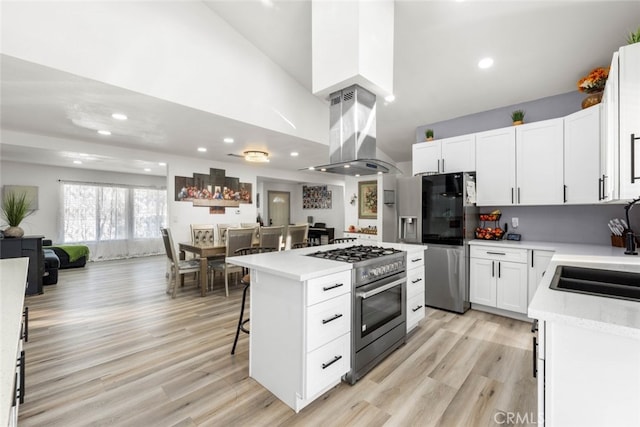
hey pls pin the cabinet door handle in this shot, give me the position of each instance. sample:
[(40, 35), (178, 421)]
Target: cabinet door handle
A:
[(416, 281), (633, 158), (416, 309), (604, 188), (564, 193), (511, 195), (518, 195), (600, 187), (438, 165), (331, 319), (495, 253), (532, 255), (20, 380), (499, 269), (25, 315), (328, 288), (335, 359), (535, 358), (442, 165), (493, 269)]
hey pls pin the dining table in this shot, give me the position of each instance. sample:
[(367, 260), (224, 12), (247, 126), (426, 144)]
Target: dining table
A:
[(205, 252)]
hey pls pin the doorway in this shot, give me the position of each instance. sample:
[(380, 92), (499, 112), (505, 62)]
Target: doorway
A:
[(278, 207)]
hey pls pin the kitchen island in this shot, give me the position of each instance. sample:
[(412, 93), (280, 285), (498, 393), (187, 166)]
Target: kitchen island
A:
[(588, 346), (301, 318)]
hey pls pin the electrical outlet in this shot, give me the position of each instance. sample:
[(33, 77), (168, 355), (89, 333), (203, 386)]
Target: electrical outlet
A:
[(514, 222)]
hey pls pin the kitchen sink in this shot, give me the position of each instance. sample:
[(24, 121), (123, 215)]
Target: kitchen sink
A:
[(593, 281)]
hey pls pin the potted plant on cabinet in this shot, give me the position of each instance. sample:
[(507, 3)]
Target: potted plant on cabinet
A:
[(428, 134), (634, 37), (517, 117), (15, 208)]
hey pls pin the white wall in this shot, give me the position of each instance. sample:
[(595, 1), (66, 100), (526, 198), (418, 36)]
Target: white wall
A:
[(46, 221)]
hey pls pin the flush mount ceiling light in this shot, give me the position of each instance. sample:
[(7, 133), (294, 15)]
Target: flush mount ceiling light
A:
[(256, 156), (228, 140), (390, 98), (104, 132), (485, 63), (294, 154), (162, 164), (119, 116), (77, 162), (202, 149), (147, 169)]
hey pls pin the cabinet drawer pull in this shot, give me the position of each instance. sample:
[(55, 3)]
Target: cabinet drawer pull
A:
[(18, 392), (335, 359), (416, 259), (416, 309), (499, 270), (496, 253), (328, 288), (25, 333), (535, 356), (416, 281), (331, 319)]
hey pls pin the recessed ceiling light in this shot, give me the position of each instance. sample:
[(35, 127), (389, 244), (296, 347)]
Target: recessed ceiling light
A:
[(357, 174), (162, 164), (104, 132), (311, 168), (77, 162), (347, 166), (228, 140), (379, 172), (119, 116), (294, 154), (485, 63), (390, 98), (323, 170), (202, 149), (147, 169)]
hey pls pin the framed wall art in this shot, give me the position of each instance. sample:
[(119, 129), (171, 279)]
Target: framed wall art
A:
[(368, 200)]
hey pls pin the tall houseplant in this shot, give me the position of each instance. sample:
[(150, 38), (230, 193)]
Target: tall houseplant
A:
[(15, 208)]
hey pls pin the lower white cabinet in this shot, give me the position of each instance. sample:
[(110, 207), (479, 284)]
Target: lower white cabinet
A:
[(587, 377), (540, 260), (363, 236), (300, 334), (415, 288), (499, 278)]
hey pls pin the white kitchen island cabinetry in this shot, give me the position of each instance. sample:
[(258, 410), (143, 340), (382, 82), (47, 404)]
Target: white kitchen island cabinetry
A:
[(540, 260), (300, 340), (582, 180), (365, 237), (498, 278), (415, 287), (456, 154)]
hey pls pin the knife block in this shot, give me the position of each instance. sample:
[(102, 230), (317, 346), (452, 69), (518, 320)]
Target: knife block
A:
[(617, 241)]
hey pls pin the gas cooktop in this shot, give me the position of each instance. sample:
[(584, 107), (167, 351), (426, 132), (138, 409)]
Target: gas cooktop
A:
[(355, 254)]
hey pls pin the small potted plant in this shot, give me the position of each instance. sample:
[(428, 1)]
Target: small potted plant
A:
[(517, 117), (429, 134), (634, 37), (15, 208)]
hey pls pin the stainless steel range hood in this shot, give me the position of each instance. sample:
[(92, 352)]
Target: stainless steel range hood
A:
[(352, 139)]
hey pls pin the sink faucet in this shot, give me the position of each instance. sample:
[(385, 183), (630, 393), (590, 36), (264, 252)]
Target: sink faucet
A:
[(630, 238)]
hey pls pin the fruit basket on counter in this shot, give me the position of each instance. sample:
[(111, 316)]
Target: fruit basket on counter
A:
[(490, 231)]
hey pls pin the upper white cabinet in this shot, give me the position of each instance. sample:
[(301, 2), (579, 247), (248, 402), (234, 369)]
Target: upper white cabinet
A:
[(609, 174), (521, 165), (629, 120), (582, 179), (457, 154), (496, 167), (539, 163)]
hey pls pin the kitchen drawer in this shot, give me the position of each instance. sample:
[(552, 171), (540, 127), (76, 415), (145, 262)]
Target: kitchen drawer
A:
[(499, 254), (415, 310), (415, 282), (415, 259), (328, 320), (326, 365), (326, 287)]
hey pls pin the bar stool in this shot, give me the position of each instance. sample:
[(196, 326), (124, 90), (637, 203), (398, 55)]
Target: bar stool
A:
[(246, 281)]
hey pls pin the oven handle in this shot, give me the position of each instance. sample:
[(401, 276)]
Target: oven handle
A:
[(376, 291)]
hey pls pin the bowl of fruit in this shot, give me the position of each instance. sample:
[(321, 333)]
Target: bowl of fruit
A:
[(489, 233), (492, 216)]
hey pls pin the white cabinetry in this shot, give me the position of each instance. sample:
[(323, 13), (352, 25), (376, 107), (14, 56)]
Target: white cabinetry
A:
[(520, 165), (582, 180), (457, 154), (499, 278), (415, 288), (609, 136), (540, 260), (629, 120), (300, 334), (367, 237), (587, 377)]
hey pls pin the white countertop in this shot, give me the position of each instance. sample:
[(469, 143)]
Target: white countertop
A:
[(294, 264), (13, 278), (616, 316)]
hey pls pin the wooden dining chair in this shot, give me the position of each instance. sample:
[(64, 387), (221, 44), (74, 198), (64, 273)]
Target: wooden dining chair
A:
[(222, 232), (246, 281), (203, 234), (256, 231), (177, 267), (237, 238), (271, 237)]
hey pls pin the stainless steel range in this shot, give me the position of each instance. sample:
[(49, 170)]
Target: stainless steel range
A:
[(379, 303)]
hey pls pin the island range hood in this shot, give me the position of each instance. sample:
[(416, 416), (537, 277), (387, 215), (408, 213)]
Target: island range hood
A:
[(352, 139)]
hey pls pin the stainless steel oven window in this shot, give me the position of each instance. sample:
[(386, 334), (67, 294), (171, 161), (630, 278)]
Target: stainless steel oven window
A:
[(380, 309)]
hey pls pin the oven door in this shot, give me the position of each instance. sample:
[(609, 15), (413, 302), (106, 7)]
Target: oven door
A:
[(379, 307)]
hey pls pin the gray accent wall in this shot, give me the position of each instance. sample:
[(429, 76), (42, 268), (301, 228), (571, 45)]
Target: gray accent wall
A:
[(535, 111)]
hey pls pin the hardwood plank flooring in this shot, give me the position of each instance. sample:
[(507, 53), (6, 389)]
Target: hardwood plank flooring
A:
[(107, 346)]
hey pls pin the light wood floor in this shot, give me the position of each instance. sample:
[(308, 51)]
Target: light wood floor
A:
[(107, 346)]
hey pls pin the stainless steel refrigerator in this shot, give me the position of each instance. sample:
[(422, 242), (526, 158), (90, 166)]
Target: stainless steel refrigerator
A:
[(439, 211)]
